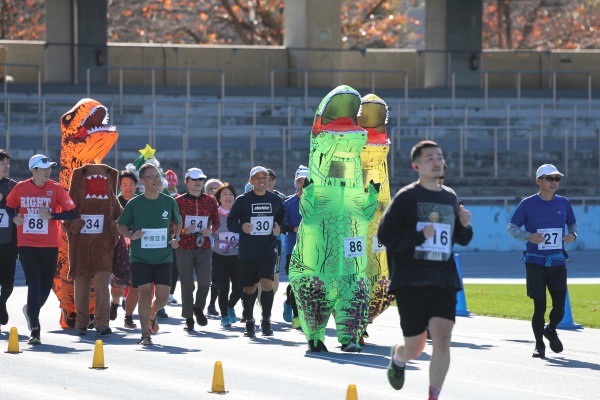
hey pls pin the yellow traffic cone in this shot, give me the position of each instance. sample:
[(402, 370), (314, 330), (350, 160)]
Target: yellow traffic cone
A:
[(98, 362), (218, 383), (352, 394), (13, 341)]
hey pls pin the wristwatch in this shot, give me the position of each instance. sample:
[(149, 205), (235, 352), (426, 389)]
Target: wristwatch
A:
[(176, 238), (574, 235)]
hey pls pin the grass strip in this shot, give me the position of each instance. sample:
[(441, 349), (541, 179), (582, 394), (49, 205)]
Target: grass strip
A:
[(511, 301)]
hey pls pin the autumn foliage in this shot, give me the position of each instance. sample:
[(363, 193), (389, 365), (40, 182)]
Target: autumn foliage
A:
[(527, 24)]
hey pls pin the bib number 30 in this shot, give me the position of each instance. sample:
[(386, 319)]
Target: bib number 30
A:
[(261, 226)]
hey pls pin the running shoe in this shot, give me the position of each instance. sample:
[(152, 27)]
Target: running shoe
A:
[(189, 324), (34, 338), (103, 330), (113, 311), (146, 341), (555, 343), (225, 322), (200, 317), (212, 310), (265, 327), (539, 352), (162, 314), (81, 331), (250, 328), (129, 324), (296, 323), (3, 314), (27, 317), (288, 312), (172, 299), (351, 347), (395, 373), (231, 314)]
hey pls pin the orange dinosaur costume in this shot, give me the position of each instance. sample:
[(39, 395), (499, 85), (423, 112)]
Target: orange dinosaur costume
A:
[(92, 238), (86, 138)]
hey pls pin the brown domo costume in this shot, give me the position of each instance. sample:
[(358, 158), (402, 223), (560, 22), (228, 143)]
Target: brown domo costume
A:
[(92, 237)]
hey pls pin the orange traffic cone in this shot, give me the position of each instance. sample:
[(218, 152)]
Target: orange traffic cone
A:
[(352, 394), (13, 341), (218, 383), (98, 361)]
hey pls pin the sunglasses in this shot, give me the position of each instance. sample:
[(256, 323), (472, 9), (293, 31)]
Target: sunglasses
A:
[(552, 179), (43, 160), (195, 179)]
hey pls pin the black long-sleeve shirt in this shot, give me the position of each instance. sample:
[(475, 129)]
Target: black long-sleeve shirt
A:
[(261, 212), (413, 261)]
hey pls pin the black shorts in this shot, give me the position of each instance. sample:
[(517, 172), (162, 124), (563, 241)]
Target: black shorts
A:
[(255, 269), (416, 306), (39, 264), (159, 274), (538, 277)]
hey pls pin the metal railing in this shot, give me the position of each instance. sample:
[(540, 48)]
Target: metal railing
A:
[(153, 84), (339, 71), (458, 138), (38, 72), (518, 82)]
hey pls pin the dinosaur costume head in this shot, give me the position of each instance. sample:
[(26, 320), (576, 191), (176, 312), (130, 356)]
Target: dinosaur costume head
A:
[(337, 140), (86, 137), (373, 117)]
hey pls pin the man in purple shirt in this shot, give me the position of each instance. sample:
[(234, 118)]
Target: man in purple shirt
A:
[(544, 216)]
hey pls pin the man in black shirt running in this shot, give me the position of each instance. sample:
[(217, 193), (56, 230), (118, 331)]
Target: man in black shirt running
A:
[(419, 229), (257, 217)]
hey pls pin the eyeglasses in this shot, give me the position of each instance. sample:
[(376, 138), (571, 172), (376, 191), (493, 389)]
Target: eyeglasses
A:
[(153, 176), (43, 160), (552, 179)]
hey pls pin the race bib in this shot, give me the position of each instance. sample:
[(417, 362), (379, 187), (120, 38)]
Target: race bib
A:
[(354, 246), (201, 222), (439, 242), (228, 240), (261, 226), (377, 246), (552, 239), (92, 224), (3, 218), (154, 238), (35, 225)]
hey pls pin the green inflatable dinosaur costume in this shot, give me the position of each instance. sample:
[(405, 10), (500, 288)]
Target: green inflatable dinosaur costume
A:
[(328, 264), (373, 117)]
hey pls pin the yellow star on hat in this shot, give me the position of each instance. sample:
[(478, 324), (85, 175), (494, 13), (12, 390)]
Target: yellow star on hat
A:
[(147, 152)]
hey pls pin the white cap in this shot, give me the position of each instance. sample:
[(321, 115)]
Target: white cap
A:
[(547, 169), (258, 169), (302, 172), (41, 161), (195, 173)]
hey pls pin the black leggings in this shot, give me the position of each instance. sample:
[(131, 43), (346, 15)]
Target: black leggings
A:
[(8, 263), (226, 269), (39, 265), (291, 300), (556, 314)]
